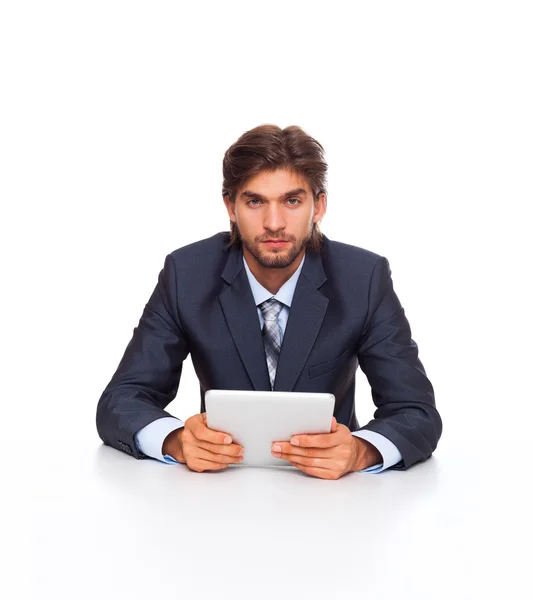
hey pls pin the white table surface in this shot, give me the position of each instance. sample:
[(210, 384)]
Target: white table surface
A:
[(96, 523)]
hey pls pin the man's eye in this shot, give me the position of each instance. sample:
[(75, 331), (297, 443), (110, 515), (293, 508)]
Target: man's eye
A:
[(257, 201)]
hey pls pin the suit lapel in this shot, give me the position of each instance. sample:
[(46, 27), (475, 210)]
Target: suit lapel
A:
[(305, 319), (239, 309)]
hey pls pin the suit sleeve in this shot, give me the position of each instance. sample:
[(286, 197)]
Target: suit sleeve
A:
[(148, 376), (406, 413)]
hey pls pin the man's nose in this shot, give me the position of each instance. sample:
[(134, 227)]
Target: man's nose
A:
[(274, 218)]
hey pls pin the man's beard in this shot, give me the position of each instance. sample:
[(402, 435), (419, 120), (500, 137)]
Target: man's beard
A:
[(275, 260)]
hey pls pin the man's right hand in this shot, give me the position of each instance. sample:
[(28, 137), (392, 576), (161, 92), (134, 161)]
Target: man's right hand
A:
[(201, 448)]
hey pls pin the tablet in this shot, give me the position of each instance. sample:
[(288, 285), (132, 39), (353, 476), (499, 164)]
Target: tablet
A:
[(257, 419)]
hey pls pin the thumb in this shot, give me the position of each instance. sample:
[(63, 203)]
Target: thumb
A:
[(334, 425)]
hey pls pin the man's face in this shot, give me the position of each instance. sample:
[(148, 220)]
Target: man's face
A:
[(274, 214)]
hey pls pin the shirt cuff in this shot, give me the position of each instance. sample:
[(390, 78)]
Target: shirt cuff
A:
[(150, 438), (390, 453)]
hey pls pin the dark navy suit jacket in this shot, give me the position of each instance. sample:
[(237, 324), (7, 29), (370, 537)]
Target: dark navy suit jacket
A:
[(344, 313)]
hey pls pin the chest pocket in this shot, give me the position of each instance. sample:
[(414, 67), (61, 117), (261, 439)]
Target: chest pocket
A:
[(330, 365)]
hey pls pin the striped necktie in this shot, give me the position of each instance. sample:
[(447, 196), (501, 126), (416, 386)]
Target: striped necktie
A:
[(271, 335)]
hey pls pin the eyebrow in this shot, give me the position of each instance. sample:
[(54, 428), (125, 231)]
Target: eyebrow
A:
[(295, 192)]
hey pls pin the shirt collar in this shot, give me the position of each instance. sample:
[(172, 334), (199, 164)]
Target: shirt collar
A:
[(285, 293)]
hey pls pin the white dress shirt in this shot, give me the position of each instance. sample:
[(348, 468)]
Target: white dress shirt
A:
[(150, 438)]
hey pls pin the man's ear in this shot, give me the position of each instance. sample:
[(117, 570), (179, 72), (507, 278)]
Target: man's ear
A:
[(320, 207), (230, 208)]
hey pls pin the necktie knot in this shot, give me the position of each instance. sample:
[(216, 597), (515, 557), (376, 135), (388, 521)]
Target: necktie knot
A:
[(270, 309)]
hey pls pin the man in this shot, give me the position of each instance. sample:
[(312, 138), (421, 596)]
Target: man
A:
[(274, 305)]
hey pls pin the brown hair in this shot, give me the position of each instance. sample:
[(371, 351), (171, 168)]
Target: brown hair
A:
[(267, 148)]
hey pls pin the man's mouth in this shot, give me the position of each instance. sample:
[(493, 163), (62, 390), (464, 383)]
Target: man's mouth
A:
[(275, 243)]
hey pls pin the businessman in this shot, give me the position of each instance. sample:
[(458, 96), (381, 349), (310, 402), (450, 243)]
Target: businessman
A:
[(273, 304)]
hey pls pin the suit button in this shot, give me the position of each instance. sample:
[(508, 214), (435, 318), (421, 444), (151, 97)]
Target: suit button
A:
[(124, 447)]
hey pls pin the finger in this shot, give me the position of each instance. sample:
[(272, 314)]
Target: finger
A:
[(216, 458), (200, 465), (230, 450), (317, 472), (317, 440), (201, 432), (307, 461), (287, 448), (333, 425)]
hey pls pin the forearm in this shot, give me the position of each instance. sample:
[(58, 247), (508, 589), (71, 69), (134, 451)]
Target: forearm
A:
[(114, 429)]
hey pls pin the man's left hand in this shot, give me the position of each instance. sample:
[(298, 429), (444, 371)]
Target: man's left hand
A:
[(328, 455)]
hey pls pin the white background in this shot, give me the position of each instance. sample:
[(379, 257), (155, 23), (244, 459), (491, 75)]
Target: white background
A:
[(114, 118)]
